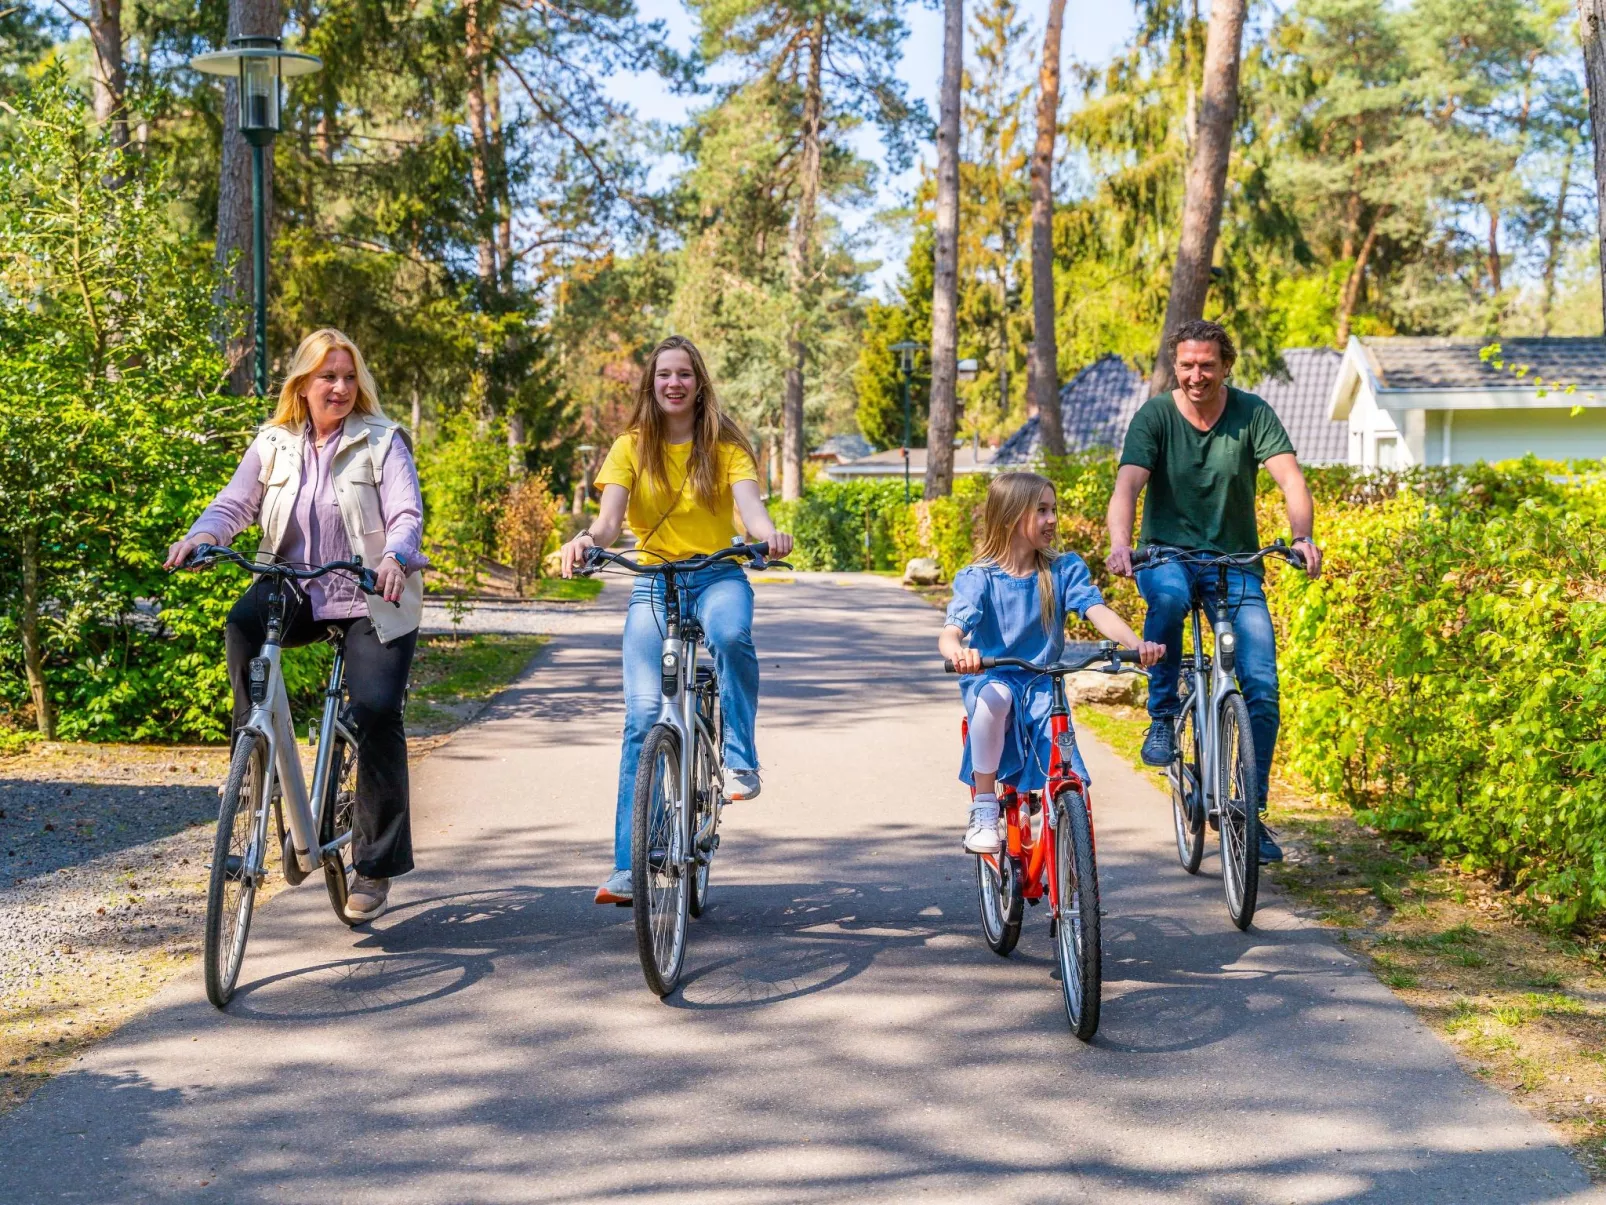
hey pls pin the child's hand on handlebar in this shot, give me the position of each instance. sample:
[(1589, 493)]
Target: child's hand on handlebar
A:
[(1150, 653), (966, 661)]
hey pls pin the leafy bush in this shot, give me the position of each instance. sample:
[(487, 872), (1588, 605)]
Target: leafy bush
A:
[(114, 432), (526, 526)]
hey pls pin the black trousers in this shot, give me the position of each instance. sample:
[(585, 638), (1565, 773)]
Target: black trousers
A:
[(376, 681)]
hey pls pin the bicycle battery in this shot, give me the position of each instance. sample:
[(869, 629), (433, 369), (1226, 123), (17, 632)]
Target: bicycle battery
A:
[(257, 680)]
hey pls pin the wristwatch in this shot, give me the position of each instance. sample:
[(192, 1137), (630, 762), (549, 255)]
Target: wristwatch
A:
[(402, 560), (1304, 540)]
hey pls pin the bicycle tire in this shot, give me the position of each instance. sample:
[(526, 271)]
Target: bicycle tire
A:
[(1002, 905), (1187, 790), (231, 887), (1078, 946), (705, 782), (659, 893), (336, 813), (1239, 813)]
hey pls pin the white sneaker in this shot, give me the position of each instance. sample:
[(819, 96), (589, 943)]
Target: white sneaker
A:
[(982, 835), (741, 784), (616, 889)]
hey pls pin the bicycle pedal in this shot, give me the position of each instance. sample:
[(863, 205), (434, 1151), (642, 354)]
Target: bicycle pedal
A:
[(623, 904), (1034, 900)]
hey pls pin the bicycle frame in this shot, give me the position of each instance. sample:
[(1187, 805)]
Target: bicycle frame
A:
[(273, 720), (1033, 849), (1205, 696), (678, 707)]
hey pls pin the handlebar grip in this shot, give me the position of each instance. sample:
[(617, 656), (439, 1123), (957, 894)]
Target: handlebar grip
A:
[(1296, 557), (1141, 557), (1127, 656), (949, 667)]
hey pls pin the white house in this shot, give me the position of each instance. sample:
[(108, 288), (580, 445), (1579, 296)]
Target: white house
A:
[(1438, 402)]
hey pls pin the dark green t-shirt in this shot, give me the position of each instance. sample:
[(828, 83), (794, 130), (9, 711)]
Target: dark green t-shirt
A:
[(1201, 491)]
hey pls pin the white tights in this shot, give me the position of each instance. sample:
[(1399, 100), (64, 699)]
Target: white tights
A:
[(989, 726)]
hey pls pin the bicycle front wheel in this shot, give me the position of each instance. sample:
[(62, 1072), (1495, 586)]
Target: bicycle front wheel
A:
[(1077, 946), (336, 811), (660, 884), (1239, 811), (238, 855), (1187, 790)]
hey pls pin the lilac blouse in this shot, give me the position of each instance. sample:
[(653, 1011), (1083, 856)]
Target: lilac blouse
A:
[(316, 534)]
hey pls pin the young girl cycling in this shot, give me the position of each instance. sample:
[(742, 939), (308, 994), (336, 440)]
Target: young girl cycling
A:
[(679, 473), (1012, 602)]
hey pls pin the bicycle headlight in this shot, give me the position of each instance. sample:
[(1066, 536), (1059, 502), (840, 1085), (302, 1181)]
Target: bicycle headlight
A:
[(1228, 642)]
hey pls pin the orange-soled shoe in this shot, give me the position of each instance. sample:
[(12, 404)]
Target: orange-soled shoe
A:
[(616, 890)]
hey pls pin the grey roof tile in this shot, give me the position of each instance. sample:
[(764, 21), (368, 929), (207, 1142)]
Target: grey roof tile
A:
[(1432, 363)]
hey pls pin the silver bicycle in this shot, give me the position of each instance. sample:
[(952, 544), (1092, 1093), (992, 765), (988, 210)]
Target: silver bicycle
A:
[(265, 777), (680, 776), (1213, 776)]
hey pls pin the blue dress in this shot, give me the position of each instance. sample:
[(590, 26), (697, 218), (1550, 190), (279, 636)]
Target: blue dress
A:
[(1002, 616)]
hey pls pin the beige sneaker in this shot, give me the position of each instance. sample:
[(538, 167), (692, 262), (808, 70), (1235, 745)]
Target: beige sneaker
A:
[(366, 898)]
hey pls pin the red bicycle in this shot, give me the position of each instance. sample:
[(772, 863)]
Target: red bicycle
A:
[(1050, 849)]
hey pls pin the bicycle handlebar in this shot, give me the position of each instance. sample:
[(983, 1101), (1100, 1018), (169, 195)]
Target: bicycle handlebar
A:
[(1115, 658), (1165, 554), (596, 558), (211, 554)]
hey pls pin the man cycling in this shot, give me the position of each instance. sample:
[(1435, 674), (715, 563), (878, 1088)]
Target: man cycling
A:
[(1198, 450)]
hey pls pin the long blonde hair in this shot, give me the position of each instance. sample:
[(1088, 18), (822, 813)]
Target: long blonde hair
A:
[(1010, 498), (710, 428), (309, 358)]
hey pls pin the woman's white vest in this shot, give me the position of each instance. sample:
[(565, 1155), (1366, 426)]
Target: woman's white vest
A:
[(358, 458)]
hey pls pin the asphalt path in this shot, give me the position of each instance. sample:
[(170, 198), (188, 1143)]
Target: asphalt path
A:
[(842, 1032)]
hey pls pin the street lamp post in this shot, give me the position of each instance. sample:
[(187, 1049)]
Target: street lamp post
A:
[(260, 65), (906, 360)]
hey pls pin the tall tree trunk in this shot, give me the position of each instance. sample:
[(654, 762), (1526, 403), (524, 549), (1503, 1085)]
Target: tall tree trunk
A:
[(499, 185), (1207, 178), (479, 18), (246, 18), (945, 290), (1494, 253), (109, 85), (1554, 242), (417, 415), (1043, 374), (802, 264), (33, 659), (1592, 22), (1351, 296)]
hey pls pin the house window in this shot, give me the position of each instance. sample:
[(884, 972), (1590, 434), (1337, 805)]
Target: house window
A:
[(1387, 452)]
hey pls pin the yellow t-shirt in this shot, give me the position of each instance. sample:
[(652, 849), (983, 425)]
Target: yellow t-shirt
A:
[(690, 529)]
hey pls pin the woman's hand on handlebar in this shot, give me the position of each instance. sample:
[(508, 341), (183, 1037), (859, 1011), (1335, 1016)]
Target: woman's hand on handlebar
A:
[(180, 553), (390, 580), (573, 554)]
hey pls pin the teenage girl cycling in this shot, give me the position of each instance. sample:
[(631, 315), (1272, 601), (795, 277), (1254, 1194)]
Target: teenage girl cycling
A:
[(1012, 602), (679, 473)]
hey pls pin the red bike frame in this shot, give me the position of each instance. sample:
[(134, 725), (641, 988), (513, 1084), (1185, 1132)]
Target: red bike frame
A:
[(1029, 844)]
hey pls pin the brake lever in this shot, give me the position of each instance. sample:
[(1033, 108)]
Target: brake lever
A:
[(778, 564)]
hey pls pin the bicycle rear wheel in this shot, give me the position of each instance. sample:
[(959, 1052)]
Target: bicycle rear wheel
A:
[(238, 855), (660, 886), (705, 786), (998, 886), (1077, 946), (1239, 811), (1187, 789), (336, 812)]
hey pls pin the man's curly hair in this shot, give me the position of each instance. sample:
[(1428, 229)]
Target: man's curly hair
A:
[(1201, 331)]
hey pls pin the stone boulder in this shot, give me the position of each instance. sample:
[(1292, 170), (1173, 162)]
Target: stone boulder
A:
[(1093, 686), (922, 571)]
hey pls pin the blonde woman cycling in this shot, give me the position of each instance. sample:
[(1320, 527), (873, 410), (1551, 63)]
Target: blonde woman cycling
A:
[(680, 473), (328, 478)]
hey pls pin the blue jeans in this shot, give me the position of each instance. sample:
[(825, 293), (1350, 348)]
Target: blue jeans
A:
[(1168, 591), (722, 600)]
